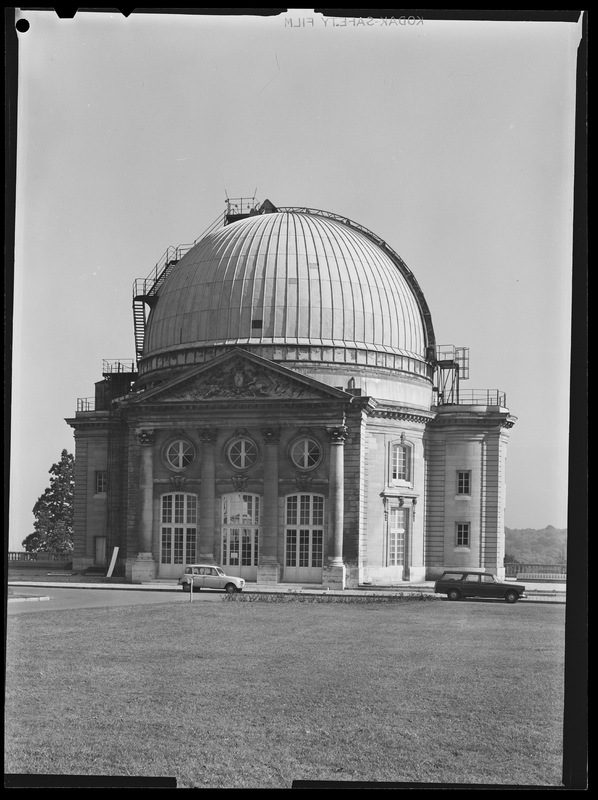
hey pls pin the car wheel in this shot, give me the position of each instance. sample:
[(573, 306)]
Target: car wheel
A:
[(186, 587), (230, 588), (453, 594), (511, 597)]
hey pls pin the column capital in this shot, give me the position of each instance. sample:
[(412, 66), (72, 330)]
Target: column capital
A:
[(146, 436), (208, 435), (271, 435), (337, 434)]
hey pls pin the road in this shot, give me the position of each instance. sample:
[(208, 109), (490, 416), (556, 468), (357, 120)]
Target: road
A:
[(61, 599)]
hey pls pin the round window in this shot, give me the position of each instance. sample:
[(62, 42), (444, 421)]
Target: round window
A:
[(180, 454), (242, 453), (306, 453)]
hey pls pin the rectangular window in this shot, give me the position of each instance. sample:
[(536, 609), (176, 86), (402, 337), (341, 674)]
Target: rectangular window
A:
[(166, 545), (318, 510), (246, 547), (179, 506), (400, 468), (463, 482), (396, 536), (462, 534), (191, 509), (167, 508), (291, 554), (304, 511), (190, 545), (304, 548), (316, 548), (101, 481), (178, 546), (292, 510)]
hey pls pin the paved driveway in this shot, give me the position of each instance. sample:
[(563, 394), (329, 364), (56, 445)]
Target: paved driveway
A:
[(64, 598)]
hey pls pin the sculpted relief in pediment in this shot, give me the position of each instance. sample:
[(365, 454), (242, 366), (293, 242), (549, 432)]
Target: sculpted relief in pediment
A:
[(243, 380)]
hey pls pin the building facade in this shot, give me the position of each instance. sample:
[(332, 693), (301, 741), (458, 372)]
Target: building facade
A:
[(289, 416)]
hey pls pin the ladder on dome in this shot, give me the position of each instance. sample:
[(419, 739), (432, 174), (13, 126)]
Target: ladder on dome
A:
[(147, 290)]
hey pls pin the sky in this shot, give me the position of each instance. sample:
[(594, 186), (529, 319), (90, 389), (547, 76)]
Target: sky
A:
[(452, 140)]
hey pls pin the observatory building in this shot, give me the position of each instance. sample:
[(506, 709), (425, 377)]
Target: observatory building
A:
[(289, 416)]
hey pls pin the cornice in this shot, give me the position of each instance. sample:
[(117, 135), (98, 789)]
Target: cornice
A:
[(400, 412), (488, 419)]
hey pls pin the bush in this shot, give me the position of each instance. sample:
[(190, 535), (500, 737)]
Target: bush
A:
[(297, 597)]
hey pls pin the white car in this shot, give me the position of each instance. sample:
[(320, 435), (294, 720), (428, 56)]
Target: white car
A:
[(207, 576)]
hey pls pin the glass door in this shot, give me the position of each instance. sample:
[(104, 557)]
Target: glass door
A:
[(241, 515), (304, 538)]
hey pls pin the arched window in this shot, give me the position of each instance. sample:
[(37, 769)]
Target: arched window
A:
[(178, 534)]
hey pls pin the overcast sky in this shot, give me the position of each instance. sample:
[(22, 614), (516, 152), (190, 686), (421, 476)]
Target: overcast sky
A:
[(453, 141)]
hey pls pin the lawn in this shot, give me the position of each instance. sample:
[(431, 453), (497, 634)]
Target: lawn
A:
[(238, 694)]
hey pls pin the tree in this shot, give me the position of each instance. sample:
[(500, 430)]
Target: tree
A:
[(54, 511)]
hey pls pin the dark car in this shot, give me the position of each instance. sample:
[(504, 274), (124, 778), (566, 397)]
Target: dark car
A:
[(456, 584)]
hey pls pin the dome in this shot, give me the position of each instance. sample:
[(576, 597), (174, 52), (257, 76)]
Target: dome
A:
[(288, 279)]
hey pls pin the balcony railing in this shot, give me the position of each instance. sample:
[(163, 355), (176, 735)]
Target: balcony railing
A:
[(116, 365), (86, 404), (476, 397)]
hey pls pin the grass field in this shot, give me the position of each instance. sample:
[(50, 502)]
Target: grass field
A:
[(231, 694)]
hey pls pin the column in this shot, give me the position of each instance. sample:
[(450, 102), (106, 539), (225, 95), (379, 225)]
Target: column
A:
[(335, 573), (145, 568), (207, 496), (269, 568)]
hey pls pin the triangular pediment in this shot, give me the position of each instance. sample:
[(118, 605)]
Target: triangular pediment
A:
[(240, 375)]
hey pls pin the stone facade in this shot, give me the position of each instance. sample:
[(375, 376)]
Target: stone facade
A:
[(370, 523), (290, 418)]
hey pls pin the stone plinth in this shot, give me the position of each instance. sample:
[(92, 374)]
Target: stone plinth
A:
[(144, 568), (268, 573), (334, 576)]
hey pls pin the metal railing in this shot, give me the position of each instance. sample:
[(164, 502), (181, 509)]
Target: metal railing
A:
[(116, 365), (477, 397), (150, 285), (86, 404)]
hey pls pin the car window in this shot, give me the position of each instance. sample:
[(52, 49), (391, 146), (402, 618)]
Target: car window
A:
[(196, 571), (487, 579), (452, 576), (188, 571), (472, 578)]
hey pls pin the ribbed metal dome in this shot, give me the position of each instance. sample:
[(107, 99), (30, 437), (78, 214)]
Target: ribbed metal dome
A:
[(289, 278)]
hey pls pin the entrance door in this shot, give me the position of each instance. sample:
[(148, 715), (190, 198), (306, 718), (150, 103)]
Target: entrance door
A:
[(304, 538), (100, 551), (178, 534), (241, 515), (396, 537)]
